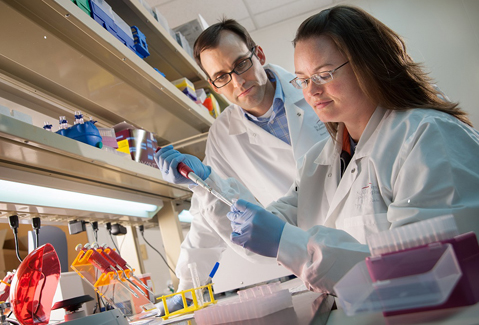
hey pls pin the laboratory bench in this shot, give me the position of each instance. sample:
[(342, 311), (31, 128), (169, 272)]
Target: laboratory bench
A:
[(312, 308)]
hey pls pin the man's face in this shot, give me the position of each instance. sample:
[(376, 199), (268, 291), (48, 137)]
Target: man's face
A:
[(250, 90)]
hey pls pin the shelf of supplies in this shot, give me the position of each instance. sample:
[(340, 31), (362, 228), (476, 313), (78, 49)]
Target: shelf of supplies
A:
[(165, 53), (30, 148), (54, 48)]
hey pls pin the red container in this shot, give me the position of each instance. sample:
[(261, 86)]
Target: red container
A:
[(34, 286)]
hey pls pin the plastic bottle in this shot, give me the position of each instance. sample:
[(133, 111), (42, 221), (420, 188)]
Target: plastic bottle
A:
[(47, 126), (63, 123), (78, 117)]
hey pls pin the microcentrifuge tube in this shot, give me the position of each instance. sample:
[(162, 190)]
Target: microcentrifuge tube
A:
[(196, 282)]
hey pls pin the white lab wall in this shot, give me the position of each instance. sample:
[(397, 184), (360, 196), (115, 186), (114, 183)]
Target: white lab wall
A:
[(154, 264), (442, 34)]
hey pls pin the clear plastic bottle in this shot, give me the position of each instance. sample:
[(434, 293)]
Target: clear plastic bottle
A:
[(47, 126)]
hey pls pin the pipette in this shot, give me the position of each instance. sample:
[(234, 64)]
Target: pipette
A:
[(187, 172)]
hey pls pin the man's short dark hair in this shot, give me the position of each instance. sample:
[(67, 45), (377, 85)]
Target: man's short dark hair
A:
[(210, 37)]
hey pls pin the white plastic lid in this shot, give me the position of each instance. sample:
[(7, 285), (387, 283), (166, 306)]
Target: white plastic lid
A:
[(413, 235)]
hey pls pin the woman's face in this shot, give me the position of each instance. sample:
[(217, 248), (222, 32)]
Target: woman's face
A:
[(339, 100)]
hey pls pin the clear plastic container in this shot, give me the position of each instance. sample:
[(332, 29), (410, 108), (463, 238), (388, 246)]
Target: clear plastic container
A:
[(439, 273), (254, 303), (413, 235), (123, 25), (108, 137)]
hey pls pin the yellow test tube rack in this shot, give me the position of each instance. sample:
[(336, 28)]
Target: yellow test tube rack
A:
[(188, 309)]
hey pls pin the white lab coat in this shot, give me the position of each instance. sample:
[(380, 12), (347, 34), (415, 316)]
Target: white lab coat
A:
[(408, 166), (266, 165)]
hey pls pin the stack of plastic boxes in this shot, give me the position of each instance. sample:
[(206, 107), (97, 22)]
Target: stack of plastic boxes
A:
[(422, 266), (184, 43), (186, 87), (132, 37), (83, 5), (141, 48)]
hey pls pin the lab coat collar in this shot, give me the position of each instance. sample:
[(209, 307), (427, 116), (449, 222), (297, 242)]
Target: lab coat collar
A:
[(364, 146), (239, 124)]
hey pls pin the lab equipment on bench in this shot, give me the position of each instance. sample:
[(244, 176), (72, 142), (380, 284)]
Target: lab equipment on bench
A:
[(423, 266), (253, 303), (112, 279), (188, 173), (195, 304), (34, 285)]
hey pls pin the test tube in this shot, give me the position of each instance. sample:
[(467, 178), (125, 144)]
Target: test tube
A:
[(196, 282)]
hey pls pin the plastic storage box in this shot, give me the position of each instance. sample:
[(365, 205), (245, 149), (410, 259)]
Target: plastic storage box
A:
[(103, 14), (141, 47), (438, 274), (186, 87), (254, 303), (83, 5), (409, 272), (123, 32), (108, 137)]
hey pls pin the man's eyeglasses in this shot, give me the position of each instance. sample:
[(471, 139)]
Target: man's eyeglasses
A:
[(320, 78), (240, 68)]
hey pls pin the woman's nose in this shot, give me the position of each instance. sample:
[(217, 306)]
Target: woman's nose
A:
[(313, 89)]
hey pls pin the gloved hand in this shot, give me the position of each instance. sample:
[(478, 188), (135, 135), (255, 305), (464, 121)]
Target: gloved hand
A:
[(174, 303), (255, 228), (168, 159)]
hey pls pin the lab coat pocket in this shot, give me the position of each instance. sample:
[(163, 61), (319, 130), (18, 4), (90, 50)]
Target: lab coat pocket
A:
[(360, 227)]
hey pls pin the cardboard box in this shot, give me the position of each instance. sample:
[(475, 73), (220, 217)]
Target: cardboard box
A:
[(8, 255)]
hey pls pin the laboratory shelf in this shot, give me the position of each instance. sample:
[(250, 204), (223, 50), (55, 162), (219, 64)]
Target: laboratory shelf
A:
[(165, 53), (31, 149), (55, 49)]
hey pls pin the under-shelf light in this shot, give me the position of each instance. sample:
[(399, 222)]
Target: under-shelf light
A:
[(20, 193)]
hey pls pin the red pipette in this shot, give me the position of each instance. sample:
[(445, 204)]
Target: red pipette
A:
[(187, 172)]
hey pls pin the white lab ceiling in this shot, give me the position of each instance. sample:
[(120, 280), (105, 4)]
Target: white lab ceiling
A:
[(253, 14)]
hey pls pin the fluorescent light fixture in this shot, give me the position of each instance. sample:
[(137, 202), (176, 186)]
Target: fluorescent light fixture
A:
[(185, 216), (20, 193)]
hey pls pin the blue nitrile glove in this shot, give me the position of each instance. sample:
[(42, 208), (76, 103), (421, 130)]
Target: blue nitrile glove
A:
[(168, 159), (174, 303), (255, 228)]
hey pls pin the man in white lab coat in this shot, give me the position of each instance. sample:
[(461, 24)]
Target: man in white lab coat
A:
[(259, 139)]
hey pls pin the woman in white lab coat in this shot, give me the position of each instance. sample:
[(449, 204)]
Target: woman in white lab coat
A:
[(414, 156)]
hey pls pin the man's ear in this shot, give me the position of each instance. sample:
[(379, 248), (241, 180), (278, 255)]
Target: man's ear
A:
[(260, 55)]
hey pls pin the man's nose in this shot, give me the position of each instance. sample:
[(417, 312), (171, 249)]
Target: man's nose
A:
[(237, 80)]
